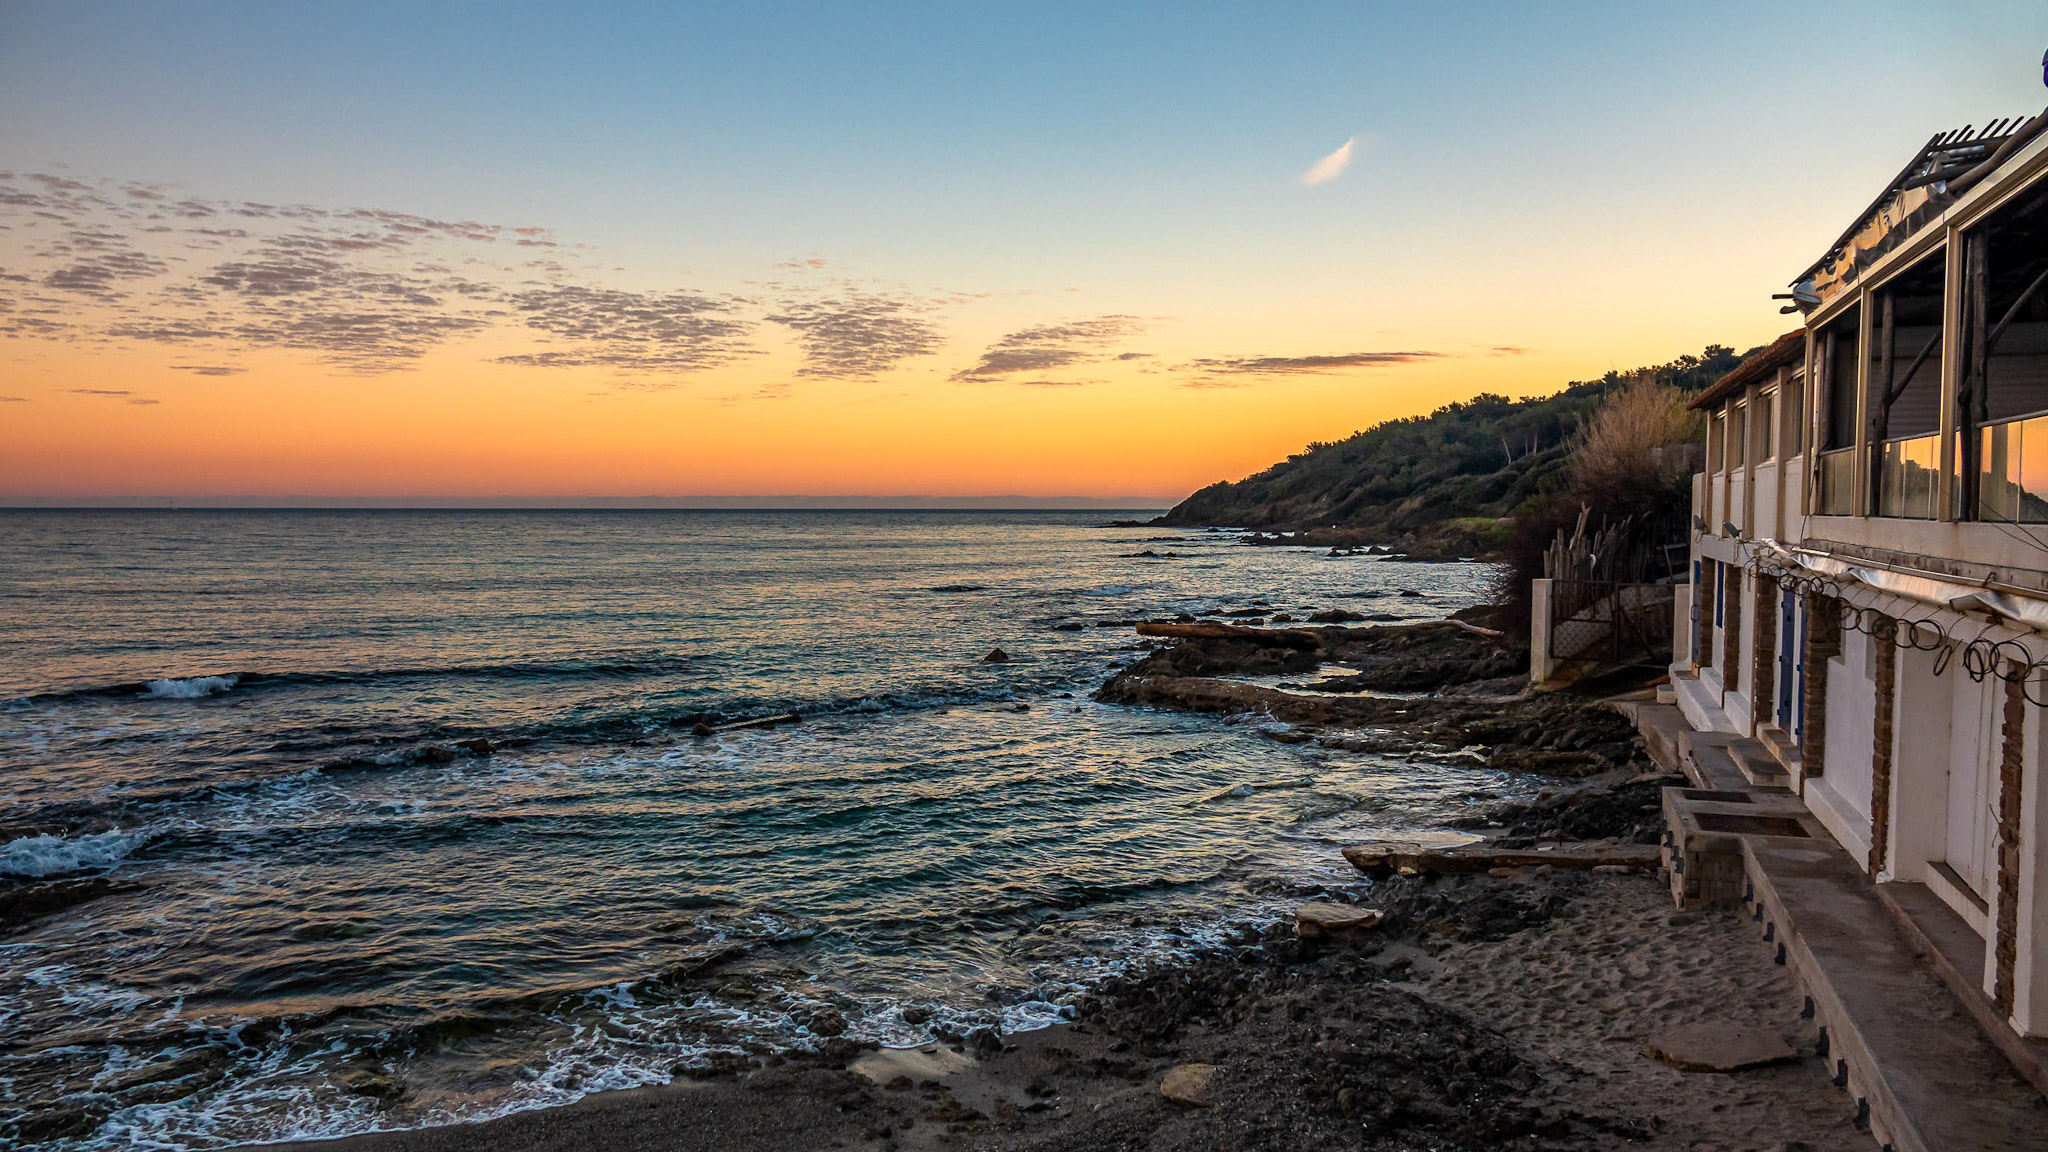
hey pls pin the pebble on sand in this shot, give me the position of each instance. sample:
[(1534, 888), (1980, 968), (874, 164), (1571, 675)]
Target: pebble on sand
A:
[(1191, 1085)]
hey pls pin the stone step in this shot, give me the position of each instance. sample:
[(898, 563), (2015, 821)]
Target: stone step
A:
[(1757, 765), (1924, 1077), (1956, 954)]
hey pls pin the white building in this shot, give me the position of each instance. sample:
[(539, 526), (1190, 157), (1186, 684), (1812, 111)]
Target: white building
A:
[(1869, 595)]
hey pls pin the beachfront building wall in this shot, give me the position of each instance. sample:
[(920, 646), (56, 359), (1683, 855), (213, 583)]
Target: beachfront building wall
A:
[(1869, 595)]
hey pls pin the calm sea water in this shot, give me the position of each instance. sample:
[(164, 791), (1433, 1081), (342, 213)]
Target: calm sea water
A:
[(328, 916)]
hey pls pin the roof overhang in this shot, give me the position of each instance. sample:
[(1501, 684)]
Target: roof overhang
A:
[(1785, 350)]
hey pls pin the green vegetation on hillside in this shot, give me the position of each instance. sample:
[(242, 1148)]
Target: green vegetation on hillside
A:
[(1451, 476)]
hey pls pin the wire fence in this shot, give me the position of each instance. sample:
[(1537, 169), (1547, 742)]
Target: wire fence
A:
[(1610, 621)]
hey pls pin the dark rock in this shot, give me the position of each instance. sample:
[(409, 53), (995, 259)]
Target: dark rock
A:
[(477, 746), (1069, 626), (995, 656)]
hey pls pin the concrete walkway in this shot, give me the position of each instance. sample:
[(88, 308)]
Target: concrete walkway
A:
[(1923, 1074)]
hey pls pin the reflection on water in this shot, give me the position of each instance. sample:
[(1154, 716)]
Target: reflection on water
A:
[(394, 818)]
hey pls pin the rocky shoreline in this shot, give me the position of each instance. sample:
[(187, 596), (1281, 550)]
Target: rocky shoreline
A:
[(1504, 1009)]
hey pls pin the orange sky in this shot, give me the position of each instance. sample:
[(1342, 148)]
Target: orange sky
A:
[(294, 252)]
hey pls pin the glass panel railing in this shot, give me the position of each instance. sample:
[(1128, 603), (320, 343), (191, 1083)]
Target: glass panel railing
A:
[(1906, 475), (2013, 483), (1837, 495)]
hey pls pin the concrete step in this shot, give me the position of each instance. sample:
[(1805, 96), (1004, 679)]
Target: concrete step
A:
[(1924, 1076), (1757, 765), (1706, 759), (1956, 953), (1778, 743)]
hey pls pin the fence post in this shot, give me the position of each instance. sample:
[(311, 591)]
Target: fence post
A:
[(1540, 663)]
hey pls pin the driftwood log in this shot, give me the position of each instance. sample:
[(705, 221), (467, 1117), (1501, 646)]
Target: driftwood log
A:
[(1415, 860), (1271, 637)]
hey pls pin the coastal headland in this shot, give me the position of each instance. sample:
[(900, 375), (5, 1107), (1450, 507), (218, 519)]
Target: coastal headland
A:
[(1518, 1007)]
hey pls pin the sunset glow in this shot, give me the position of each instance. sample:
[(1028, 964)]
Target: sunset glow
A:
[(258, 256)]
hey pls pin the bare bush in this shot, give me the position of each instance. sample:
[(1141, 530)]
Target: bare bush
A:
[(1617, 451)]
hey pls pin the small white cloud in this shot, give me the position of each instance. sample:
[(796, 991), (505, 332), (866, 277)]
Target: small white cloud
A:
[(1329, 167)]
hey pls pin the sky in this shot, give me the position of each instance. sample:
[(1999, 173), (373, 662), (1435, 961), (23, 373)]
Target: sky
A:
[(555, 254)]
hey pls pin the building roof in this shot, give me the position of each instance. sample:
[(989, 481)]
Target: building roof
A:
[(1942, 170), (1786, 349)]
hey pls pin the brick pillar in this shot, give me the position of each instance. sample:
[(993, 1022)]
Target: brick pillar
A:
[(1763, 676), (1881, 746), (2011, 760), (1703, 632), (1823, 642), (1731, 634)]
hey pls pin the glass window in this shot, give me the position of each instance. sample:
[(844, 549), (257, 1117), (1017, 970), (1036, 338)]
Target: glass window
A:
[(1766, 426), (1717, 430), (1837, 495), (1905, 477), (1736, 434), (2013, 484)]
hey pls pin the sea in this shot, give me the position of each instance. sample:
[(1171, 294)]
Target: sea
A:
[(365, 820)]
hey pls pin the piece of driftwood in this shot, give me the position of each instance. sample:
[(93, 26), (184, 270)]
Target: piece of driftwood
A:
[(1270, 637), (1415, 860), (758, 722)]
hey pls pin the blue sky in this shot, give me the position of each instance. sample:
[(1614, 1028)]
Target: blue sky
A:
[(1599, 184)]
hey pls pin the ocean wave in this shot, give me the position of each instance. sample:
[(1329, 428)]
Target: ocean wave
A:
[(34, 857), (191, 688), (195, 687)]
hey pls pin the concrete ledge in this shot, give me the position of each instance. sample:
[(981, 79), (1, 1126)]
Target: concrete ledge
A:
[(1924, 1076), (1700, 700), (1956, 953)]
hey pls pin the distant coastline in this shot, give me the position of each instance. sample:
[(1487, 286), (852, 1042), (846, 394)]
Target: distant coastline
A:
[(1151, 506)]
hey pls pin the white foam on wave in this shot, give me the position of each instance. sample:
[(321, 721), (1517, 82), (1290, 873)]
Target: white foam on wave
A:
[(190, 688), (46, 855)]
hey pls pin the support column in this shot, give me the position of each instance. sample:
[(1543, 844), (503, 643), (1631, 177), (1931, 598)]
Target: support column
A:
[(2011, 763), (1823, 642), (1763, 677), (1731, 635), (1703, 626), (1881, 745)]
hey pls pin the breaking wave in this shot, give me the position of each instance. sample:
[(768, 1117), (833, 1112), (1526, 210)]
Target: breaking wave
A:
[(190, 689), (35, 857)]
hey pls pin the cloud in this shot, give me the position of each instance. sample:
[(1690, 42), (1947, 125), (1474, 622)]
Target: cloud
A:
[(1331, 166), (13, 399), (113, 394), (208, 369), (858, 335), (633, 331), (1050, 347), (1235, 371), (1511, 350)]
